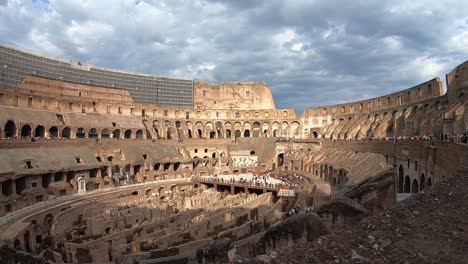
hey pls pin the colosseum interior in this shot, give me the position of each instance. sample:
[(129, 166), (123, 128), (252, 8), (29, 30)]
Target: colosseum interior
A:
[(91, 175)]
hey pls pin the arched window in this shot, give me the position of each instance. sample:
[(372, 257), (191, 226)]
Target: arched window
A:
[(93, 133), (116, 134), (10, 129), (105, 133), (415, 188), (139, 134), (66, 132), (247, 133), (53, 132), (26, 131), (407, 184), (80, 133), (128, 133), (39, 131), (212, 134), (400, 178), (423, 181)]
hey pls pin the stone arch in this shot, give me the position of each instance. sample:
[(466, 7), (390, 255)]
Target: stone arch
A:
[(423, 181), (128, 134), (161, 190), (80, 133), (212, 134), (116, 133), (27, 242), (294, 128), (400, 178), (228, 133), (39, 131), (265, 129), (415, 187), (238, 133), (429, 181), (219, 129), (66, 132), (139, 134), (407, 186), (93, 133), (26, 131), (105, 133), (53, 132), (10, 129), (280, 159), (315, 134), (17, 245), (247, 133), (256, 129), (48, 220), (148, 193)]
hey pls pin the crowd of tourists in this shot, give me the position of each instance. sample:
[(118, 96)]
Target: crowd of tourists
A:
[(451, 137), (265, 180), (298, 210)]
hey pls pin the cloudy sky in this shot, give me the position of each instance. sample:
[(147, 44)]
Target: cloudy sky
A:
[(309, 52)]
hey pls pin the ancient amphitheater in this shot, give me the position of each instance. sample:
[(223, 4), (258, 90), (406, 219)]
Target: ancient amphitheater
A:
[(106, 166)]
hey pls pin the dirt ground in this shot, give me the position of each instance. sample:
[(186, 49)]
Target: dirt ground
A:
[(429, 227)]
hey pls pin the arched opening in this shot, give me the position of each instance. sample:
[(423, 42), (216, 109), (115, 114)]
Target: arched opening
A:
[(80, 133), (27, 243), (280, 159), (148, 193), (212, 134), (407, 184), (189, 133), (415, 188), (173, 189), (116, 133), (53, 132), (105, 133), (247, 133), (10, 129), (237, 133), (26, 131), (176, 166), (275, 133), (161, 190), (228, 133), (128, 134), (93, 133), (48, 220), (39, 131), (200, 133), (315, 134), (17, 245), (157, 166), (66, 132), (139, 134), (429, 181), (400, 178), (423, 182)]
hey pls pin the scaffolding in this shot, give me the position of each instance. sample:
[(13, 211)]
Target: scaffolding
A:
[(16, 64)]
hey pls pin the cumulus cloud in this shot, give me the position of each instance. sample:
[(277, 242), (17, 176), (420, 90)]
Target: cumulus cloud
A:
[(309, 52)]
